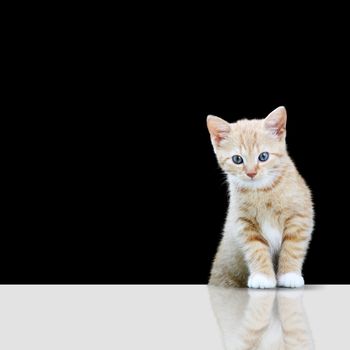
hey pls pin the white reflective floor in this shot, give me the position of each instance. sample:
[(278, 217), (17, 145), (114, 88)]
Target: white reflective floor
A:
[(173, 317)]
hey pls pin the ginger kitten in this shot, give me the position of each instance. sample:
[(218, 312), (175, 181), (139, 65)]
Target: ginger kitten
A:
[(270, 215)]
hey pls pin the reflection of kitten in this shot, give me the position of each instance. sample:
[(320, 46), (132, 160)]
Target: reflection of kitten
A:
[(254, 320), (270, 216)]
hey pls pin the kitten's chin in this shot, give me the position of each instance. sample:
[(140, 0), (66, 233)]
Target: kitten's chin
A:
[(263, 182)]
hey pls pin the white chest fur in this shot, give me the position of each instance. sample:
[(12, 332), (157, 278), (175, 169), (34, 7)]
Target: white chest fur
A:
[(272, 235)]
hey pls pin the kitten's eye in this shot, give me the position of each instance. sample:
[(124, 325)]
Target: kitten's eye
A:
[(237, 159), (264, 156)]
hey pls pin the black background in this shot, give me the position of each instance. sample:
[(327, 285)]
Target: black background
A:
[(111, 177)]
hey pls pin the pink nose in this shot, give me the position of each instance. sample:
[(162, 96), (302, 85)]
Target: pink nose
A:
[(251, 174)]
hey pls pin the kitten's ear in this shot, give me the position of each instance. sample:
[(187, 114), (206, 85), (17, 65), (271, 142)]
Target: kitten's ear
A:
[(218, 128), (276, 122)]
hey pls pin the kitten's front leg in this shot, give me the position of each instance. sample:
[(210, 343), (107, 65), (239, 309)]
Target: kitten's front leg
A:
[(296, 237), (257, 255)]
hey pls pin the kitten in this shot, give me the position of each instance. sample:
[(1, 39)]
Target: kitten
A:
[(270, 216)]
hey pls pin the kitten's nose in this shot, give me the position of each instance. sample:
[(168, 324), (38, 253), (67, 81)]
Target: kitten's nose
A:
[(251, 173)]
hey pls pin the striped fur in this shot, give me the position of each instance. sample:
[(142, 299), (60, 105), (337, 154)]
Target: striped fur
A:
[(270, 217)]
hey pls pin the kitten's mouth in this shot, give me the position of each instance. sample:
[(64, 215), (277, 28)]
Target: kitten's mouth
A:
[(251, 179)]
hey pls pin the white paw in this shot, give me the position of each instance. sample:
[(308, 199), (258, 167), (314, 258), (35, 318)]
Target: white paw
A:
[(260, 280), (291, 280)]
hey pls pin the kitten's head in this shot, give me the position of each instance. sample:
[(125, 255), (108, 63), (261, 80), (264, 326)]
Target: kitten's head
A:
[(252, 152)]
